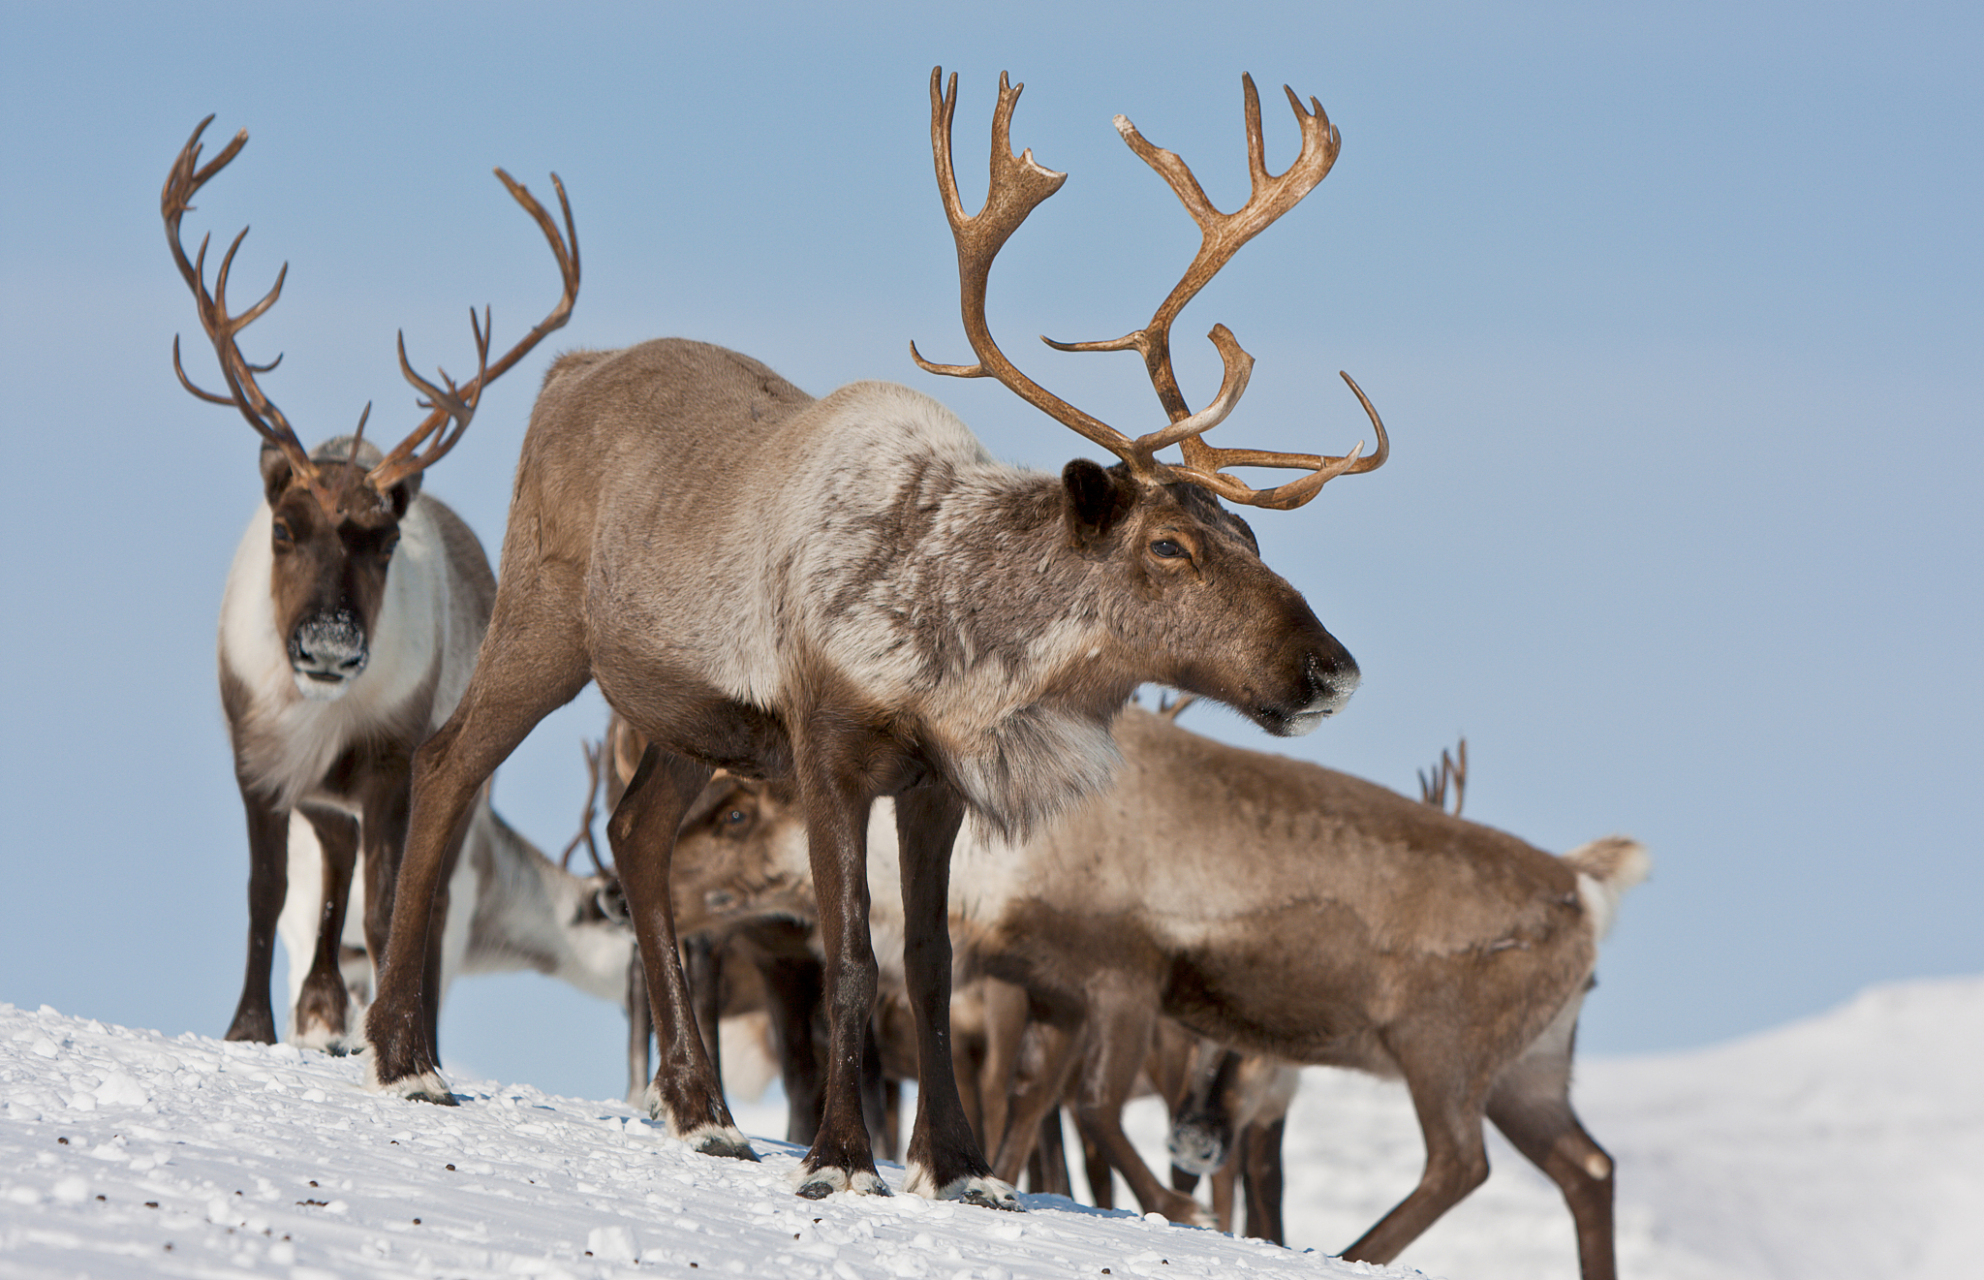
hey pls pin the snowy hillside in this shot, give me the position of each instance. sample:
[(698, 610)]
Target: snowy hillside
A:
[(1851, 1145)]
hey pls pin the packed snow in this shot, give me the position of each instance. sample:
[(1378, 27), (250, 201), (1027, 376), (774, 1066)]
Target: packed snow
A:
[(1850, 1145)]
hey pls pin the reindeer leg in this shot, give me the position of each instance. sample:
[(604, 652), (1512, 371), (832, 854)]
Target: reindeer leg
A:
[(1531, 1105), (1053, 1039), (830, 767), (318, 1021), (1121, 1021), (944, 1160), (685, 1092), (532, 662), (1047, 1168), (1450, 1111), (1260, 1155), (1005, 1031), (702, 966), (640, 1028), (268, 885), (793, 993)]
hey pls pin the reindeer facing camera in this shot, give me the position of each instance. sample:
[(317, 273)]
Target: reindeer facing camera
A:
[(349, 626)]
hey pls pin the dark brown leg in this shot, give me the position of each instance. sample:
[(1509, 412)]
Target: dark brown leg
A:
[(685, 1092), (702, 965), (944, 1159), (323, 1004), (1047, 1168), (268, 885)]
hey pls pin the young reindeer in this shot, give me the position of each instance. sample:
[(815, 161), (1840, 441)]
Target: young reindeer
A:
[(852, 596), (349, 625), (1287, 910)]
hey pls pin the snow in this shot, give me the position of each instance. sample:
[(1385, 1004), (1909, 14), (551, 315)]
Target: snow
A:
[(1850, 1145)]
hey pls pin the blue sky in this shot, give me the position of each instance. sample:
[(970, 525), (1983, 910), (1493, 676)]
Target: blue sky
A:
[(1672, 311)]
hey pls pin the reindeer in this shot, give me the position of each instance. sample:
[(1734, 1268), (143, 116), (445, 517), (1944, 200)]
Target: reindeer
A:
[(349, 625), (510, 909), (1286, 910), (1230, 1109), (854, 598)]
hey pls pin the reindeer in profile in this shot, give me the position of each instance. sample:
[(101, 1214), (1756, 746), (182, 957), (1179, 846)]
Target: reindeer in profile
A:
[(349, 626), (852, 597)]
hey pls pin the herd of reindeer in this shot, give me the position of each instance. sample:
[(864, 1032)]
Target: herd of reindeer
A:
[(855, 648)]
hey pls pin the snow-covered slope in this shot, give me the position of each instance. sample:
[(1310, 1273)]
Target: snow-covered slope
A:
[(1851, 1146)]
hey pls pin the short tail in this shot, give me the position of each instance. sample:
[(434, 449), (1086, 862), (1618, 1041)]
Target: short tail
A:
[(1606, 869)]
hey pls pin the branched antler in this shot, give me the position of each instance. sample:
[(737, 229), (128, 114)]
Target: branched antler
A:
[(454, 404), (1019, 185)]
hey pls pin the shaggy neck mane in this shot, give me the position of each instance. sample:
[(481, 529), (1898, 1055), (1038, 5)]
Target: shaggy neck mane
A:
[(971, 584)]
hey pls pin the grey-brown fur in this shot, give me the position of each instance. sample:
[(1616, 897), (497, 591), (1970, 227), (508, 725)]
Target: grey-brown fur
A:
[(850, 595), (1288, 910)]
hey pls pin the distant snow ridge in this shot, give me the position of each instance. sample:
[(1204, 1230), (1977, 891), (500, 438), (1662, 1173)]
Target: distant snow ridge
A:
[(1846, 1147)]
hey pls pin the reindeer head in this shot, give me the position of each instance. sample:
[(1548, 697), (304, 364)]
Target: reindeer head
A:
[(741, 854), (1202, 612), (335, 514)]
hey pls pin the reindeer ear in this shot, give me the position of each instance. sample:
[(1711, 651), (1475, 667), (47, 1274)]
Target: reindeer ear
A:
[(401, 495), (1097, 499), (275, 473)]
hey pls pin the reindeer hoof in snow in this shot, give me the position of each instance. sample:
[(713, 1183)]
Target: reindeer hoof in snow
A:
[(818, 1184), (980, 1189), (424, 1086), (730, 1144)]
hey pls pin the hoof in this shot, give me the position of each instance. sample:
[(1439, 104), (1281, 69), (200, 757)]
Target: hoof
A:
[(818, 1184), (729, 1144), (980, 1189), (424, 1086)]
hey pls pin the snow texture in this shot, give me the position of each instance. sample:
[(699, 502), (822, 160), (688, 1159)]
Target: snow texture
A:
[(1850, 1146)]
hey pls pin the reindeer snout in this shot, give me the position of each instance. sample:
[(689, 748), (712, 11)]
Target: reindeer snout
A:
[(1196, 1149), (1329, 676), (325, 653)]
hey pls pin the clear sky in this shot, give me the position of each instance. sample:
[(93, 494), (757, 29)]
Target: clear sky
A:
[(1673, 312)]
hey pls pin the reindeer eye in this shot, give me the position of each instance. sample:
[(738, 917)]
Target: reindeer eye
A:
[(280, 535), (734, 817), (387, 544), (1167, 549)]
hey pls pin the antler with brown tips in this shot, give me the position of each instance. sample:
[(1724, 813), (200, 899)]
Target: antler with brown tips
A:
[(1018, 185), (452, 404)]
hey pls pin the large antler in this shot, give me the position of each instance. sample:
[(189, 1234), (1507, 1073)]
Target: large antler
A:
[(452, 403), (459, 403), (187, 177), (1019, 184)]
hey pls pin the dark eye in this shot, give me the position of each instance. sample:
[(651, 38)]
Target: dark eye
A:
[(387, 544), (1167, 548), (735, 816), (281, 536)]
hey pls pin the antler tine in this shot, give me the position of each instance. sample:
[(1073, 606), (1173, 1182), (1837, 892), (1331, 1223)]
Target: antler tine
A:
[(457, 405), (185, 178), (1221, 235), (1018, 185), (594, 756)]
